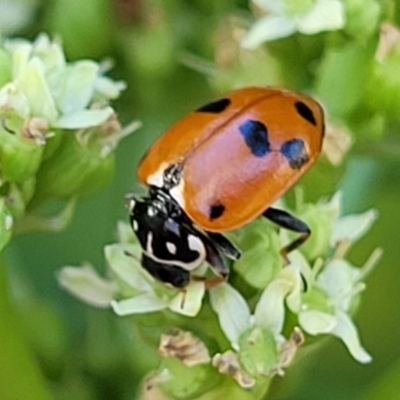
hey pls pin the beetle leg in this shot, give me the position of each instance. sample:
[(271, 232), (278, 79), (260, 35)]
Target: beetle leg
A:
[(224, 245), (210, 282), (216, 261), (214, 258), (183, 292), (218, 265), (288, 221)]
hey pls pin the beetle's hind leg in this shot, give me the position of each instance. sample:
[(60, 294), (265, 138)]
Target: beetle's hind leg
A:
[(288, 221)]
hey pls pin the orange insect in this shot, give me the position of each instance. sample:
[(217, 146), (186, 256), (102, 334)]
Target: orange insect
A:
[(217, 169)]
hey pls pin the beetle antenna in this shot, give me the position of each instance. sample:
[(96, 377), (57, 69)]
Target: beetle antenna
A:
[(129, 254)]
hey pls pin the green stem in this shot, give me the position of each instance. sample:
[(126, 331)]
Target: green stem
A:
[(20, 378)]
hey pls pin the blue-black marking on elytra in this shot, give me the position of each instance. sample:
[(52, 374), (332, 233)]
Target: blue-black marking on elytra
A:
[(255, 135), (295, 151)]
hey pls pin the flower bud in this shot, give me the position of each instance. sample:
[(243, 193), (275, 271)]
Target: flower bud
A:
[(75, 169), (258, 351), (260, 260), (20, 154)]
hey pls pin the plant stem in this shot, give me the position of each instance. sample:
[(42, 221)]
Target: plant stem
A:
[(20, 378)]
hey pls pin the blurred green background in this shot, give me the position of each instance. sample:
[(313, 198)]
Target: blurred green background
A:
[(176, 55)]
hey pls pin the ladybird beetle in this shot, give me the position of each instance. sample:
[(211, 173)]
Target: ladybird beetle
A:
[(217, 169)]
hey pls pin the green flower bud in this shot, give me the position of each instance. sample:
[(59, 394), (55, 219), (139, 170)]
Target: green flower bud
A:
[(20, 153), (260, 260), (321, 220), (75, 169), (17, 196), (183, 382), (316, 299), (258, 352)]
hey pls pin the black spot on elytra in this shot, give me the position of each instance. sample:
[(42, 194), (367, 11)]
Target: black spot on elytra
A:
[(215, 107), (295, 152), (305, 112), (216, 211), (255, 135)]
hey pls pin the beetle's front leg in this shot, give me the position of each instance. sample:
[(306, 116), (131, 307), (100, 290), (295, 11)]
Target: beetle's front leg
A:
[(217, 262), (224, 245)]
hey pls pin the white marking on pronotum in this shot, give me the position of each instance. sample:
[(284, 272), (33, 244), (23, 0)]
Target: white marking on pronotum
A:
[(194, 243), (131, 205), (157, 179), (171, 247), (135, 225), (177, 193)]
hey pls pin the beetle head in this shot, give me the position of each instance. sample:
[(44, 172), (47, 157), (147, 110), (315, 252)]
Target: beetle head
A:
[(172, 248)]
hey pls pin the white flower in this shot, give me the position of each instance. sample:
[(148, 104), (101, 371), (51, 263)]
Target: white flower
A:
[(130, 289), (352, 227), (285, 17), (322, 297), (150, 295), (45, 85), (342, 283), (84, 283), (233, 312), (257, 337)]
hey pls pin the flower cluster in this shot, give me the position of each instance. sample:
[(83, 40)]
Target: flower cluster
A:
[(284, 17), (57, 131), (315, 294)]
